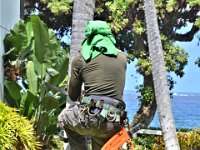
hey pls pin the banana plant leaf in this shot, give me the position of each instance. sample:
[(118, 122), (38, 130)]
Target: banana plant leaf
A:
[(27, 104), (13, 90), (18, 36), (32, 78), (43, 50), (50, 103)]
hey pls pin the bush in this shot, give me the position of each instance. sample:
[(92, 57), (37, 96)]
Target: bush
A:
[(145, 141), (188, 140), (34, 69), (16, 132)]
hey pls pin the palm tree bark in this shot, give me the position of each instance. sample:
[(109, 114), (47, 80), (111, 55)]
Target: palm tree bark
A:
[(83, 11), (160, 79)]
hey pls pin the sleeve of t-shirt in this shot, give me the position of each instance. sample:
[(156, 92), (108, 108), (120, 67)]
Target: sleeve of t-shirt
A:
[(75, 82)]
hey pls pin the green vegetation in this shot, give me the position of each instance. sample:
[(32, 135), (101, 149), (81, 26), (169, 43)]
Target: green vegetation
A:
[(127, 20), (35, 61), (34, 64), (16, 132), (188, 140)]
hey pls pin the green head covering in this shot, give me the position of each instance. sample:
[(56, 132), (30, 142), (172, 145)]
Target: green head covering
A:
[(99, 40)]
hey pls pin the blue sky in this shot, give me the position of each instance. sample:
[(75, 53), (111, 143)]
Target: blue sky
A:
[(190, 82)]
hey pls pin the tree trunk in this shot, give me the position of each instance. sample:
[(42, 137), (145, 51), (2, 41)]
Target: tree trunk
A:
[(146, 112), (83, 11), (159, 77)]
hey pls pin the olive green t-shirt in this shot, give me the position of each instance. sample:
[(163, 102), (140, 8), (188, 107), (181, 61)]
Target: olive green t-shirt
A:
[(103, 76)]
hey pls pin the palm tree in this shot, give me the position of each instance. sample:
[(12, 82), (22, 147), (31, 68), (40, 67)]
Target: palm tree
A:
[(83, 11), (160, 79)]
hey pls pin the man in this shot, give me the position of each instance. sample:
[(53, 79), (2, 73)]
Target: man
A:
[(101, 67)]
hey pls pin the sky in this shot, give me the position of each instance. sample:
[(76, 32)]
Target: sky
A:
[(190, 82)]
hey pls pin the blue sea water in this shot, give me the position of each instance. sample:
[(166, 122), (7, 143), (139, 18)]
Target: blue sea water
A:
[(186, 109)]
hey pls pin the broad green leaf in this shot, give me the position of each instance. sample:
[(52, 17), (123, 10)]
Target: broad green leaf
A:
[(63, 71), (18, 36), (7, 43), (13, 89), (54, 80), (42, 123), (50, 103), (29, 30), (31, 77), (42, 45), (11, 101), (55, 43), (51, 128), (194, 2), (27, 104), (52, 72), (27, 51), (40, 69)]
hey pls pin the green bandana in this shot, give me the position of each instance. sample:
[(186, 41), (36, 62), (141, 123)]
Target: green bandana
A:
[(99, 40)]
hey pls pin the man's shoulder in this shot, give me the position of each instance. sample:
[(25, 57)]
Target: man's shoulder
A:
[(78, 58), (122, 55)]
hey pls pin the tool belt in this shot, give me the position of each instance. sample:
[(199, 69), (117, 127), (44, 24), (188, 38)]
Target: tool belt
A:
[(103, 108)]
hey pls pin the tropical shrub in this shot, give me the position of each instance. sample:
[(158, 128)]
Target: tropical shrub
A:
[(189, 140), (144, 142), (16, 131), (35, 74)]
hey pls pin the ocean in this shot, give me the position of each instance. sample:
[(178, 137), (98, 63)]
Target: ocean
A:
[(186, 109)]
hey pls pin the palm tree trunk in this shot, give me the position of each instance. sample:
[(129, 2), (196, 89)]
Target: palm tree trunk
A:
[(160, 79), (83, 11)]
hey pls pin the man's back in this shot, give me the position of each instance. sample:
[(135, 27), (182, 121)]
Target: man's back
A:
[(104, 75), (101, 67)]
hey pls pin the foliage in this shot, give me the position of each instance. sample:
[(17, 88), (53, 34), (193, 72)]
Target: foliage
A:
[(58, 7), (57, 143), (127, 21), (174, 56), (128, 16), (146, 141), (188, 140), (198, 62), (140, 147), (117, 17), (146, 94), (16, 132), (197, 23), (33, 60), (138, 27)]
